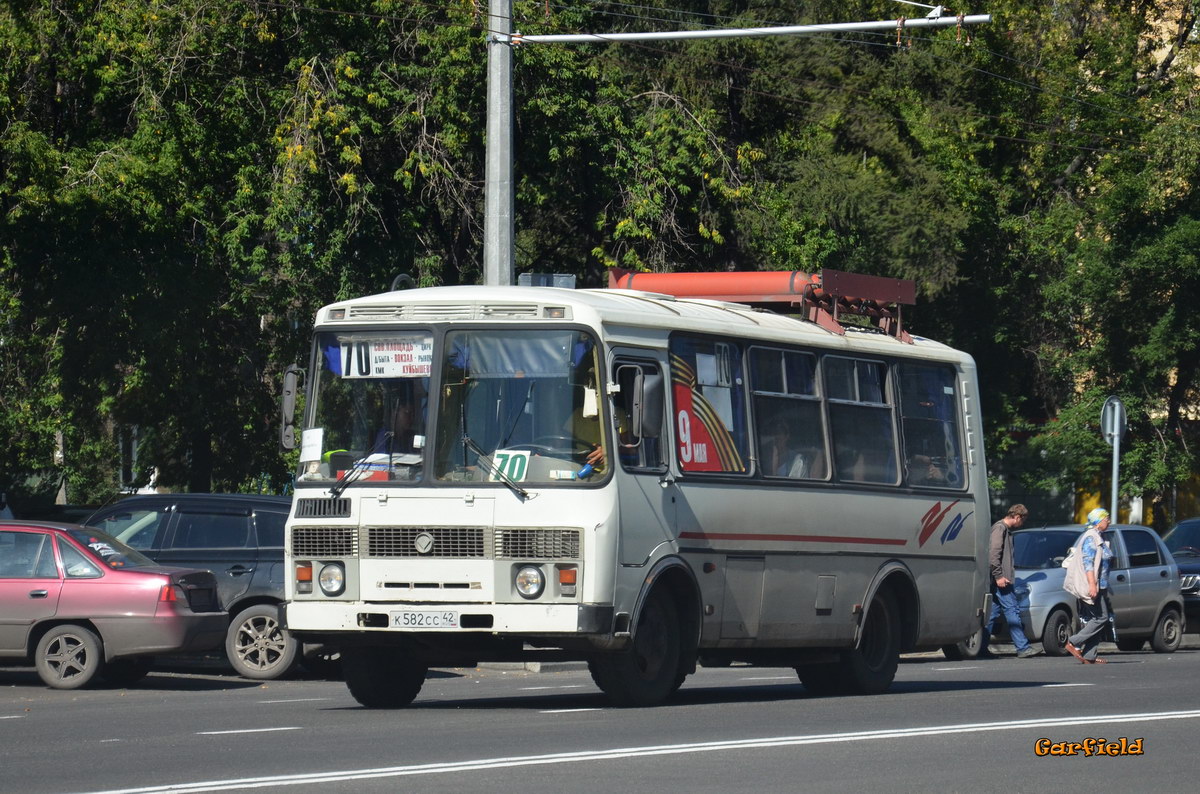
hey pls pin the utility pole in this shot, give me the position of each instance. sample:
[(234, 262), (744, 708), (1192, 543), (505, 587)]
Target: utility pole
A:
[(498, 190), (498, 246)]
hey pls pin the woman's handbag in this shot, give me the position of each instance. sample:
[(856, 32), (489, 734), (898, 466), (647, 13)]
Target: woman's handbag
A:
[(1076, 582)]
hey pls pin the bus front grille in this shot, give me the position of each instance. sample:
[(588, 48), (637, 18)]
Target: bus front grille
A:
[(323, 542), (536, 544), (459, 542), (322, 508)]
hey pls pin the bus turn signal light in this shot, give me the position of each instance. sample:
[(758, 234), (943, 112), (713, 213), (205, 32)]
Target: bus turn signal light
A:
[(304, 577), (566, 580)]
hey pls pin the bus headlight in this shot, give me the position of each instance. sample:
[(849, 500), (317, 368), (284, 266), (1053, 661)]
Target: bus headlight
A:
[(332, 579), (529, 581)]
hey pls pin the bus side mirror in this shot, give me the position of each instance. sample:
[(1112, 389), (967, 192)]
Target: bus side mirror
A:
[(647, 405), (287, 433)]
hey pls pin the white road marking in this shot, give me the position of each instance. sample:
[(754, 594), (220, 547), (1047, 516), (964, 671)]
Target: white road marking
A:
[(770, 678), (11, 716), (956, 668), (247, 730), (537, 688), (565, 711), (654, 750), (1080, 683), (294, 700)]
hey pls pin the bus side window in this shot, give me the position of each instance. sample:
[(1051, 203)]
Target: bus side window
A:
[(638, 413), (929, 424), (708, 404), (861, 421), (790, 431)]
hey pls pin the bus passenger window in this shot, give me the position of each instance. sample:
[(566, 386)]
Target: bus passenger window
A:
[(709, 406), (861, 423), (790, 430), (929, 424)]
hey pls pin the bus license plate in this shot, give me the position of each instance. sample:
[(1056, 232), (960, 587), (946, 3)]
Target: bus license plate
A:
[(424, 619)]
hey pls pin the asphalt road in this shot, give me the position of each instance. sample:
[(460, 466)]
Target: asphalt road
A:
[(949, 726)]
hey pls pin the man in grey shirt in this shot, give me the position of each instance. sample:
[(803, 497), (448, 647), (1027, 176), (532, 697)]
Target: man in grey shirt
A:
[(1004, 597)]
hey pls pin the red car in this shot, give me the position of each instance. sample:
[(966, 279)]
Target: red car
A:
[(79, 603)]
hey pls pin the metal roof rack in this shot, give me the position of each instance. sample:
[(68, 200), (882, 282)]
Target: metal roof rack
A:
[(820, 298)]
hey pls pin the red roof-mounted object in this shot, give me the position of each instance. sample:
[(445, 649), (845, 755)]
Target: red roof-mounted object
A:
[(821, 298)]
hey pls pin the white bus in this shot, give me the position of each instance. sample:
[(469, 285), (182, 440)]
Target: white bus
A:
[(643, 481)]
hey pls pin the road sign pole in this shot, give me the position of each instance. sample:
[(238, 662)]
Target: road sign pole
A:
[(1115, 471), (1112, 426)]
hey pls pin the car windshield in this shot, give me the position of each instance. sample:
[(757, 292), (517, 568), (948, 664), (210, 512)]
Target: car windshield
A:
[(111, 551), (1183, 540), (1042, 548)]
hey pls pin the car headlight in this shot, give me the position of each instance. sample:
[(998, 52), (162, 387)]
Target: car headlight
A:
[(332, 579), (529, 581)]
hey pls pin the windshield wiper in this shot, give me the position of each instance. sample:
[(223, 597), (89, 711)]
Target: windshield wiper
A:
[(470, 444), (361, 464)]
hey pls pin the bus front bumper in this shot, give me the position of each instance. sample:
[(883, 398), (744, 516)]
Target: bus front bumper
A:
[(333, 617)]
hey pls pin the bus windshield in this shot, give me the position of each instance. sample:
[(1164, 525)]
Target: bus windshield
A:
[(514, 406), (519, 404)]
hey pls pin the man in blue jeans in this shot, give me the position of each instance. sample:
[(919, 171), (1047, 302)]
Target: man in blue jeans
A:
[(1004, 596)]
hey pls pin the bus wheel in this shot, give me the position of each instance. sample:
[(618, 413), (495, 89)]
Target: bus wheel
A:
[(382, 678), (648, 672), (870, 668)]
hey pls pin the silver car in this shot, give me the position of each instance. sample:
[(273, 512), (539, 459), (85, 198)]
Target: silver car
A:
[(1143, 584)]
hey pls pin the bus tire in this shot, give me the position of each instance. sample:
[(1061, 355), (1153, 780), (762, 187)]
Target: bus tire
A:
[(1056, 632), (870, 668), (649, 671), (382, 678)]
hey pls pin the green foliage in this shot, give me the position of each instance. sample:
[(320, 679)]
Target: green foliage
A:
[(183, 182)]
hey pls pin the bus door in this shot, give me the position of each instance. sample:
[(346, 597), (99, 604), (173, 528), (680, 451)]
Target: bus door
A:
[(646, 507)]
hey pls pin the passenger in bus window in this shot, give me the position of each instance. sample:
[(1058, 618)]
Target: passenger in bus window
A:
[(923, 470), (780, 455)]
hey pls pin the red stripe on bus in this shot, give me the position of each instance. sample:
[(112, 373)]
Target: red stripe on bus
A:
[(790, 538)]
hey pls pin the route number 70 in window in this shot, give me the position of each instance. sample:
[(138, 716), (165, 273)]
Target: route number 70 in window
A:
[(511, 463)]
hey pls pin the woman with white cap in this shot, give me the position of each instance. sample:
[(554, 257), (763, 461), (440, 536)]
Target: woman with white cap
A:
[(1093, 610)]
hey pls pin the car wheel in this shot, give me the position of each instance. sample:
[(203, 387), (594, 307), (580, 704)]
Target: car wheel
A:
[(123, 672), (965, 650), (323, 661), (69, 657), (1056, 633), (257, 646), (1168, 633)]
